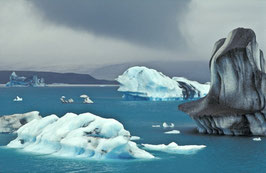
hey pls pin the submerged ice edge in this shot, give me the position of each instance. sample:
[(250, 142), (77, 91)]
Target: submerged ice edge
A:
[(85, 135)]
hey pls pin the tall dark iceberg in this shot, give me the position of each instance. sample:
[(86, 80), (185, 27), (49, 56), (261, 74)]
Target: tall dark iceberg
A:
[(235, 104)]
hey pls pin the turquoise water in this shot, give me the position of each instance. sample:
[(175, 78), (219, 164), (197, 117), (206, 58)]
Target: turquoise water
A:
[(222, 154)]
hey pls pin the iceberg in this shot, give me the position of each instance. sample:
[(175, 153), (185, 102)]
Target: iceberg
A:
[(86, 98), (174, 148), (18, 99), (84, 135), (171, 125), (142, 83), (256, 139), (21, 81), (11, 123)]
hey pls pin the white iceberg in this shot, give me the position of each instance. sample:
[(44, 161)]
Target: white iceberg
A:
[(70, 100), (18, 99), (10, 123), (142, 83), (86, 98), (174, 148), (64, 100), (256, 139), (85, 135), (173, 132), (171, 125)]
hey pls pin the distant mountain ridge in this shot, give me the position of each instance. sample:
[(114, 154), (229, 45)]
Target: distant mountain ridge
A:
[(53, 77)]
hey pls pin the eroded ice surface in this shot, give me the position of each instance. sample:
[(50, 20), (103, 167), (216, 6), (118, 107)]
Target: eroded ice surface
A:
[(11, 123), (142, 83), (85, 135), (174, 148)]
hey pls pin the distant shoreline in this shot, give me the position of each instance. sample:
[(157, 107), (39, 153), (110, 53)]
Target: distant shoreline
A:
[(67, 85)]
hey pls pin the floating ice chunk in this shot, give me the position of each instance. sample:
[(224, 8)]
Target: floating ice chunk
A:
[(174, 148), (83, 96), (256, 139), (87, 99), (173, 132), (10, 123), (64, 100), (70, 100), (18, 99), (165, 125), (84, 135), (134, 138), (156, 125)]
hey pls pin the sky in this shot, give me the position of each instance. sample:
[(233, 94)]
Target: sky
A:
[(75, 35)]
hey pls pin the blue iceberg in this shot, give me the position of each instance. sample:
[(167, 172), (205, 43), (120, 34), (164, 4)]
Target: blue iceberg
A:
[(21, 81), (142, 83)]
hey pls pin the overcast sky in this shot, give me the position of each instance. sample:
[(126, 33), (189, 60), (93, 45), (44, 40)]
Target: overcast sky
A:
[(61, 35)]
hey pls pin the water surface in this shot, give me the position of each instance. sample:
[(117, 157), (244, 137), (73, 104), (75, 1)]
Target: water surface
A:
[(222, 154)]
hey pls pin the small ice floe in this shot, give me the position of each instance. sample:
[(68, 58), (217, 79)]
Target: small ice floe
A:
[(156, 125), (86, 98), (165, 125), (134, 138), (256, 139), (174, 148), (18, 99), (64, 100), (70, 100), (173, 132)]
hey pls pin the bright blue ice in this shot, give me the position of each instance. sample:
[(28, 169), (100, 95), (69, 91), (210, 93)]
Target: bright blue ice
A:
[(21, 81)]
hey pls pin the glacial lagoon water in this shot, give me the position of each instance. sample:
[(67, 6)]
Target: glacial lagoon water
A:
[(222, 154)]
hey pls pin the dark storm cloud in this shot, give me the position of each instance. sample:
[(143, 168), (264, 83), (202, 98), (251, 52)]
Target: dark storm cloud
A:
[(154, 23)]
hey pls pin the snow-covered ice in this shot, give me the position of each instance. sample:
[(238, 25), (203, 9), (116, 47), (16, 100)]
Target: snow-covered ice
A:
[(173, 132), (174, 148), (85, 135), (10, 123), (18, 99), (142, 83), (171, 125), (256, 139)]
